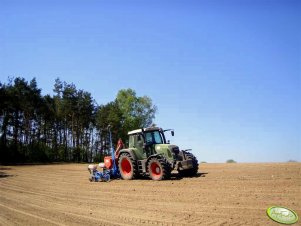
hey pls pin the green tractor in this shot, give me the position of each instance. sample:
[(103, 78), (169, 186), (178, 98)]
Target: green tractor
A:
[(150, 155)]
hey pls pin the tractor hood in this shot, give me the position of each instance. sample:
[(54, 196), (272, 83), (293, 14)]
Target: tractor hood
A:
[(168, 150)]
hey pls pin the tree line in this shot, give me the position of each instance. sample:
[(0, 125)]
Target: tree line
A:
[(67, 126)]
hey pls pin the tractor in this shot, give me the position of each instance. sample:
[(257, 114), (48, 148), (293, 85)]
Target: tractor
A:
[(149, 154)]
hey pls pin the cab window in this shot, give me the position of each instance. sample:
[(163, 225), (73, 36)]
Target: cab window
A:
[(153, 138)]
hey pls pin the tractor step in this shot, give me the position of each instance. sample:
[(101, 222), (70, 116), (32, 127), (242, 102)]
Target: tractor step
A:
[(142, 166)]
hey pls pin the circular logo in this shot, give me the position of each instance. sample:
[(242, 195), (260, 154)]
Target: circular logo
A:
[(282, 215)]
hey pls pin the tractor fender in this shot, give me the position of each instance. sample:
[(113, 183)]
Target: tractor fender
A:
[(129, 151), (161, 156), (182, 154), (155, 155)]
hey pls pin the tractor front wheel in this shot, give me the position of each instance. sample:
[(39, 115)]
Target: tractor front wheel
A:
[(195, 166), (159, 169), (127, 166)]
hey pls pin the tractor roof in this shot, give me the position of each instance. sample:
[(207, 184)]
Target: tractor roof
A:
[(135, 131), (144, 130)]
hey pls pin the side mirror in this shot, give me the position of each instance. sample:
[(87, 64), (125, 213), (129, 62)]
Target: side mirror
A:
[(139, 138), (172, 133)]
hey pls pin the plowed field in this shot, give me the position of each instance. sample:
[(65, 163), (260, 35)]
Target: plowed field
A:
[(222, 194)]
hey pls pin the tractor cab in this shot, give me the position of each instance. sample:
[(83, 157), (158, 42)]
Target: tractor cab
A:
[(148, 141), (150, 135)]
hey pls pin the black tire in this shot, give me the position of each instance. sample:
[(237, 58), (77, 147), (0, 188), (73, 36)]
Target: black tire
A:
[(159, 169), (127, 166), (194, 170)]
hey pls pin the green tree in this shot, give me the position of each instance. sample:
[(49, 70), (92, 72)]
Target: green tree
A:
[(67, 126), (230, 161), (137, 112), (106, 115), (20, 121)]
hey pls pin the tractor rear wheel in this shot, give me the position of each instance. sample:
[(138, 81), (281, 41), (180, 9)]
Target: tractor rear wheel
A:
[(159, 169), (193, 171), (127, 166)]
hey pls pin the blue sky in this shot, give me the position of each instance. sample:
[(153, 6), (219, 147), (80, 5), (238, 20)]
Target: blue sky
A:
[(226, 75)]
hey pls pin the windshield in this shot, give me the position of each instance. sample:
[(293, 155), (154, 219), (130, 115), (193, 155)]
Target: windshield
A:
[(153, 137)]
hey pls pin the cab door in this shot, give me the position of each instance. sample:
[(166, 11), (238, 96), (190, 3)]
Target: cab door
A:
[(140, 151)]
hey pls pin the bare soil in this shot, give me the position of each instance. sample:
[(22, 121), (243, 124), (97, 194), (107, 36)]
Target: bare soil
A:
[(221, 194)]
